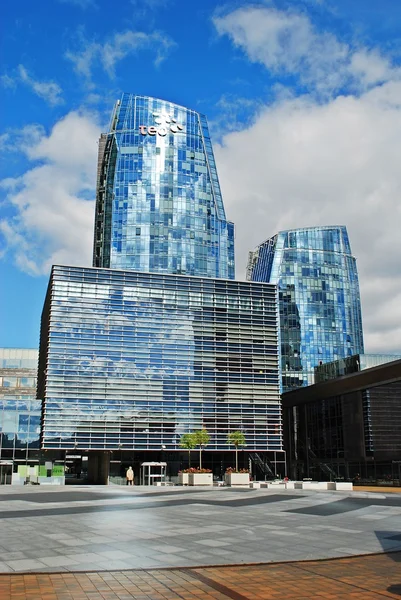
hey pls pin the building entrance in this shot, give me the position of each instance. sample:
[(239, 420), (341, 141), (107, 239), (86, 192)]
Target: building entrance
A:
[(6, 469)]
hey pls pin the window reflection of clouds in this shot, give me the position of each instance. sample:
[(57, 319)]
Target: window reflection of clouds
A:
[(150, 362), (163, 200), (320, 309), (19, 410)]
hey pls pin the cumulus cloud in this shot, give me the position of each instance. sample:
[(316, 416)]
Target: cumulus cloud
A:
[(51, 206), (286, 42), (301, 164), (116, 48), (310, 160), (49, 91)]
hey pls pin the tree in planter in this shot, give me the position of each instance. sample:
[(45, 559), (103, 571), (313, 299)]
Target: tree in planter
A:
[(188, 442), (237, 438), (202, 438)]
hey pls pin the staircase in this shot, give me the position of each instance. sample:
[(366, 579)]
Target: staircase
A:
[(263, 464), (325, 468)]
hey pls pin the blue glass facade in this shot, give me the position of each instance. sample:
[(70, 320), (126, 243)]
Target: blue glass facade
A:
[(19, 411), (319, 301), (159, 206), (132, 360)]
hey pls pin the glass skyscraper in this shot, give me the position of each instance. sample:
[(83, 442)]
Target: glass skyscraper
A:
[(319, 301), (159, 206)]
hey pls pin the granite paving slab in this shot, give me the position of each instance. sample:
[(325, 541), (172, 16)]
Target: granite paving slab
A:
[(191, 528)]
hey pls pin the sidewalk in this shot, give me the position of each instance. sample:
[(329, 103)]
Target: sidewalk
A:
[(369, 577)]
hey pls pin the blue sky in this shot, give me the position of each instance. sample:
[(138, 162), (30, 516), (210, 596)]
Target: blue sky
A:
[(304, 103)]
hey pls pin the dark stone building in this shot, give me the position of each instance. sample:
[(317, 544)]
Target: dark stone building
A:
[(348, 427)]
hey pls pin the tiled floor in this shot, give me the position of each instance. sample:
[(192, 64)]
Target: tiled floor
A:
[(359, 578), (111, 529)]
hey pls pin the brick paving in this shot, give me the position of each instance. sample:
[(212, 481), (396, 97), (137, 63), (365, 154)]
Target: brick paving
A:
[(366, 577), (376, 488)]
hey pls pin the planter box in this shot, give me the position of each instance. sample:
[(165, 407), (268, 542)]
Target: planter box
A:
[(236, 479), (183, 478), (314, 485), (200, 478), (344, 486), (271, 485)]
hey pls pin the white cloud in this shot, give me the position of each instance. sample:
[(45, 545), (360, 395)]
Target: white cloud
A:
[(116, 48), (50, 91), (286, 42), (51, 219), (321, 158), (303, 164), (7, 81)]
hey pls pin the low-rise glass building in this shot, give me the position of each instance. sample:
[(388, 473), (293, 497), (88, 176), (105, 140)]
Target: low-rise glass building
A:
[(319, 300), (130, 361), (19, 414)]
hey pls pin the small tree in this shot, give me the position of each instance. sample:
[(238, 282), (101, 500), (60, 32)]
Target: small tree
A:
[(237, 438), (188, 442), (202, 438)]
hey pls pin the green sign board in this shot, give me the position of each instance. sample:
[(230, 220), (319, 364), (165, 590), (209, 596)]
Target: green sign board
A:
[(58, 471)]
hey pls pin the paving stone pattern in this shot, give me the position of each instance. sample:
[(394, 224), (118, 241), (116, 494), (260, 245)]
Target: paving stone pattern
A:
[(115, 529), (360, 578)]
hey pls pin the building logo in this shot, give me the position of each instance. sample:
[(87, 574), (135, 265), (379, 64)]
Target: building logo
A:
[(165, 124)]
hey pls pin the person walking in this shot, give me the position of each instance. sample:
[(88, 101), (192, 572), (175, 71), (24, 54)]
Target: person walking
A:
[(130, 476)]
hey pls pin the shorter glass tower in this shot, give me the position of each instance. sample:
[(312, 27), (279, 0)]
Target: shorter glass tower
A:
[(159, 207), (319, 301)]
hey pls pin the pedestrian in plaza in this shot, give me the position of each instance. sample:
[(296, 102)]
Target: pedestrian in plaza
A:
[(130, 476)]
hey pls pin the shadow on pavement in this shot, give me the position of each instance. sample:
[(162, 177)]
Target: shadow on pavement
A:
[(387, 540)]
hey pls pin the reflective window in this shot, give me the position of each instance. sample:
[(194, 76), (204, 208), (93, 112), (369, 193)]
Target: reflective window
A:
[(319, 301), (139, 359), (20, 412), (159, 206)]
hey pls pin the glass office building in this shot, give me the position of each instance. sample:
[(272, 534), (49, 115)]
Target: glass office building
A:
[(159, 206), (19, 413), (347, 426), (319, 301), (133, 360)]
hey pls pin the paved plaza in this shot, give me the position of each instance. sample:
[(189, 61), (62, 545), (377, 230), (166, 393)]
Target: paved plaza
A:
[(149, 543), (74, 529)]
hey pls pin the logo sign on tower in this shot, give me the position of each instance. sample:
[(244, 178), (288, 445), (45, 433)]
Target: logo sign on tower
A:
[(164, 125)]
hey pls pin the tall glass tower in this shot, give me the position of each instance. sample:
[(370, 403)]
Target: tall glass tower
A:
[(159, 206), (319, 301)]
